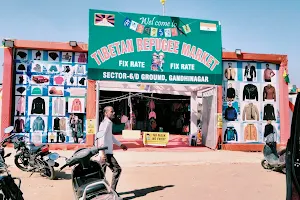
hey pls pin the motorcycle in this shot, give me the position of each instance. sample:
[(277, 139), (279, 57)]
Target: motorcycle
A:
[(273, 159), (88, 178), (8, 188), (33, 158)]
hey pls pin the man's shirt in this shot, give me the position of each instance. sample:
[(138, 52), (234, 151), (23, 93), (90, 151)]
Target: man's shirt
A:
[(105, 136)]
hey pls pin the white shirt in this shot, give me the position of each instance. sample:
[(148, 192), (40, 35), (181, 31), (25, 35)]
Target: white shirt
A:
[(105, 136)]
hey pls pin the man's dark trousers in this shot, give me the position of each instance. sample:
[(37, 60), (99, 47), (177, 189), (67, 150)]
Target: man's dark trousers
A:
[(112, 163)]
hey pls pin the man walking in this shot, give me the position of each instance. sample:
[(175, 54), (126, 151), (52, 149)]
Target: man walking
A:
[(107, 139)]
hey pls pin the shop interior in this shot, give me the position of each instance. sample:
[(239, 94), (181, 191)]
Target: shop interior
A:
[(178, 109)]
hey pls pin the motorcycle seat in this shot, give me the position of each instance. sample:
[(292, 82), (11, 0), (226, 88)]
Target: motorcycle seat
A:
[(95, 188), (35, 149)]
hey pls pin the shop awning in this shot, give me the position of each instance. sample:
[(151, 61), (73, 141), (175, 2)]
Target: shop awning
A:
[(174, 89)]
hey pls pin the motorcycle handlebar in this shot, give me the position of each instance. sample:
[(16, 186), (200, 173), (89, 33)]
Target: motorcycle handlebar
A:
[(63, 167)]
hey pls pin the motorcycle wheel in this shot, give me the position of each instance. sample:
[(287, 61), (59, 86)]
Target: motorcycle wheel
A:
[(48, 171), (265, 164), (23, 167)]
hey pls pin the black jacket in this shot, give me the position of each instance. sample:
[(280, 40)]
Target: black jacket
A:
[(56, 124), (269, 113), (269, 129), (250, 92), (38, 106), (231, 93), (250, 73)]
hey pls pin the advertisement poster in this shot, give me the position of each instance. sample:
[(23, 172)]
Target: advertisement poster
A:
[(250, 102), (154, 48), (50, 90), (155, 138)]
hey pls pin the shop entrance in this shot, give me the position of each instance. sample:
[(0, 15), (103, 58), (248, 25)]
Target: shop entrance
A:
[(181, 110)]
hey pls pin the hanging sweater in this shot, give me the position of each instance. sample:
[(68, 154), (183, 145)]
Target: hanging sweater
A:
[(76, 106), (230, 93)]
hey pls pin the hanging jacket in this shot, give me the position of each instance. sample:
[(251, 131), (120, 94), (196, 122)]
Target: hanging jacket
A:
[(250, 73), (82, 58), (230, 73), (268, 74), (269, 133), (62, 124), (250, 132), (269, 92), (269, 113), (80, 69), (250, 92), (230, 93), (38, 124), (230, 134), (250, 112), (19, 125), (21, 105), (56, 126), (59, 106), (38, 106), (76, 106), (230, 114)]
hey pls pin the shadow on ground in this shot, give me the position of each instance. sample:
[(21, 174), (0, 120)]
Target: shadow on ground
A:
[(62, 176), (143, 192)]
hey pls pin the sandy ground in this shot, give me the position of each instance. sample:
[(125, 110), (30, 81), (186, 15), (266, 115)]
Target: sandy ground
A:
[(209, 182)]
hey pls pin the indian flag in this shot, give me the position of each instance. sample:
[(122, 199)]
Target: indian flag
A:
[(208, 26)]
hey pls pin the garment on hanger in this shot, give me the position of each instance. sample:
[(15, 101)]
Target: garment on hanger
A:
[(38, 106), (19, 125), (230, 134), (250, 112), (20, 106), (59, 106), (250, 133), (151, 105), (56, 126), (250, 91), (82, 58), (76, 106), (269, 112), (152, 114), (269, 92), (62, 124), (38, 124)]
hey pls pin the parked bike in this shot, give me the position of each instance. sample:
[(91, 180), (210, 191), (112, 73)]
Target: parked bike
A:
[(33, 158), (8, 188), (88, 178)]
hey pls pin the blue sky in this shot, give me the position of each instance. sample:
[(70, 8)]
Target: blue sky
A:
[(260, 26)]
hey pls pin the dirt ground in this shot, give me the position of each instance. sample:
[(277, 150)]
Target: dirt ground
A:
[(207, 181)]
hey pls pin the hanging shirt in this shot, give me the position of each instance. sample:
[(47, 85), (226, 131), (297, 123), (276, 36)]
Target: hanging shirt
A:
[(152, 114), (59, 106), (21, 105)]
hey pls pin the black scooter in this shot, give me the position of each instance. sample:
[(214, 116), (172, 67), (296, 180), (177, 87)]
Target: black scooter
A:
[(88, 178), (273, 159)]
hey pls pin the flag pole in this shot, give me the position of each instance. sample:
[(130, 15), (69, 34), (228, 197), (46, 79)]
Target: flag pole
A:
[(163, 5)]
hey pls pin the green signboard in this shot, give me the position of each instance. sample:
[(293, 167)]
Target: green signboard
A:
[(155, 49)]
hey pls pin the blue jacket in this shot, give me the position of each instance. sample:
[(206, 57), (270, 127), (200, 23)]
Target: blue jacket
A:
[(230, 134), (230, 114), (38, 124)]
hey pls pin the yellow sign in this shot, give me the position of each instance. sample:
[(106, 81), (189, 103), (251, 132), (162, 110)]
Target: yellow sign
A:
[(156, 138), (220, 118), (219, 124), (91, 126)]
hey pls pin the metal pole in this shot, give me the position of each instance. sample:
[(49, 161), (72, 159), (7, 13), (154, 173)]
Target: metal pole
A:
[(163, 9), (97, 105)]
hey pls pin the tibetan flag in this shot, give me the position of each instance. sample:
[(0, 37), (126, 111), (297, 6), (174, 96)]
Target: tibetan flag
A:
[(208, 26), (104, 20), (147, 30), (127, 22), (286, 77), (186, 29), (174, 32), (153, 32), (161, 32), (168, 32), (140, 28), (133, 25)]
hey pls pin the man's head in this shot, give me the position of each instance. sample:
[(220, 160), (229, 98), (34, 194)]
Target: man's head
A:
[(267, 66), (229, 85), (109, 112), (229, 64)]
